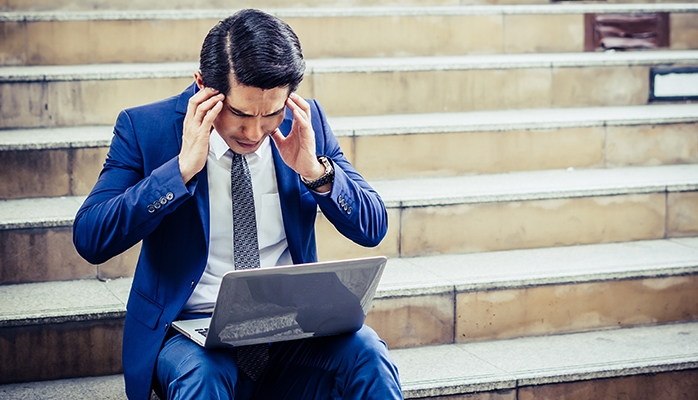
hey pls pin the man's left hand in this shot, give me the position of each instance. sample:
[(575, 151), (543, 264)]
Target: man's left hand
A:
[(298, 148)]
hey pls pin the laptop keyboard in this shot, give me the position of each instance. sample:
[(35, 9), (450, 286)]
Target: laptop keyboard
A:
[(202, 331)]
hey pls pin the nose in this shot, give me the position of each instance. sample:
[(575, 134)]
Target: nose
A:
[(254, 132)]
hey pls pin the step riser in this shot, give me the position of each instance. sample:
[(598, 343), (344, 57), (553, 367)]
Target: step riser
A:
[(214, 4), (48, 254), (668, 385), (52, 104), (473, 90), (541, 310), (47, 104), (66, 172), (63, 42), (469, 228), (682, 218), (60, 351), (547, 310), (90, 5), (449, 154), (48, 173), (41, 255)]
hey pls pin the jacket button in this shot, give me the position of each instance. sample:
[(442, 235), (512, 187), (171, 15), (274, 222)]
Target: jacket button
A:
[(151, 208), (169, 196), (192, 284), (157, 205), (349, 210), (163, 200)]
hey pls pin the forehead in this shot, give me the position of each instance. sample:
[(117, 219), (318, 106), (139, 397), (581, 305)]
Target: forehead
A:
[(254, 100)]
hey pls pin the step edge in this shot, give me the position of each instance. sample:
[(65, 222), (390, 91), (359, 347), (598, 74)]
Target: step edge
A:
[(412, 289), (50, 138), (348, 12), (500, 372), (615, 187), (92, 72)]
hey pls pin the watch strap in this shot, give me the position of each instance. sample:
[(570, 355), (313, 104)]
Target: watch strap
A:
[(327, 177)]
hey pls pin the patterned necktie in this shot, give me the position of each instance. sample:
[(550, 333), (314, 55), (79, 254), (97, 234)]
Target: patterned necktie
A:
[(251, 359)]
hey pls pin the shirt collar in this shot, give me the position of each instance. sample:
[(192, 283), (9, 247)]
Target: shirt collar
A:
[(219, 147)]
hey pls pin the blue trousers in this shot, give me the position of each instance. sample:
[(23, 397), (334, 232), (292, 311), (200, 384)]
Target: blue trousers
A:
[(348, 366)]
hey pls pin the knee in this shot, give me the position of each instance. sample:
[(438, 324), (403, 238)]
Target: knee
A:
[(195, 373), (367, 339), (368, 347), (374, 374), (198, 378)]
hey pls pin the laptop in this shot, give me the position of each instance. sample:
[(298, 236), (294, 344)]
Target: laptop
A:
[(292, 302)]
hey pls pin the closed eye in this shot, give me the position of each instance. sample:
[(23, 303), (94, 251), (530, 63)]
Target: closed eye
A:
[(242, 114)]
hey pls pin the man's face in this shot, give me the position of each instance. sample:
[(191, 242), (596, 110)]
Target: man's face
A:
[(249, 115)]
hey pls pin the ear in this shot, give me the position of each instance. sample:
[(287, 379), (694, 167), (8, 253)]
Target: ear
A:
[(199, 79)]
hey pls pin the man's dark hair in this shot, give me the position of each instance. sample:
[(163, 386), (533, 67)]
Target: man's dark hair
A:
[(259, 49)]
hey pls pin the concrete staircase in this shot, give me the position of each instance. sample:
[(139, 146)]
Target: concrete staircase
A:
[(543, 236)]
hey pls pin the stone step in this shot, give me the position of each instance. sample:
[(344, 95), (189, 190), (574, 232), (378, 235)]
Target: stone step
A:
[(643, 363), (117, 5), (518, 210), (150, 36), (516, 293), (491, 142), (50, 96), (420, 301), (51, 162), (66, 161), (428, 216), (36, 243)]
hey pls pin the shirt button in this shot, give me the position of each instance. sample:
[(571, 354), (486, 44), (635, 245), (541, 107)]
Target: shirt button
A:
[(169, 196)]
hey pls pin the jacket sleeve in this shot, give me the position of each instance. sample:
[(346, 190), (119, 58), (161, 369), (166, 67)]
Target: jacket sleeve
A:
[(128, 201), (352, 206)]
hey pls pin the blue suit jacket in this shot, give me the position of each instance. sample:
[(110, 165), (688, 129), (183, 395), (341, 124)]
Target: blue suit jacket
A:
[(140, 196)]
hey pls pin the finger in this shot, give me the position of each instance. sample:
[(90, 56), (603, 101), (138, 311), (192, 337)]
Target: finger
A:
[(211, 115), (205, 107), (201, 97), (277, 136), (297, 110), (300, 101), (300, 118)]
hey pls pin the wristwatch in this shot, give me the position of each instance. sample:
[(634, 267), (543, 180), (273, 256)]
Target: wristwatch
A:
[(327, 177)]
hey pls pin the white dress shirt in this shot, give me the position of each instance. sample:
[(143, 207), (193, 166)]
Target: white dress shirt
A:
[(273, 248)]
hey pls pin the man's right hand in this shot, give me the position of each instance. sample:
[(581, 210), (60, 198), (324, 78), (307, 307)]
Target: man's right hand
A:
[(202, 110)]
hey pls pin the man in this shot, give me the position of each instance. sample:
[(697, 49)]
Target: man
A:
[(167, 181)]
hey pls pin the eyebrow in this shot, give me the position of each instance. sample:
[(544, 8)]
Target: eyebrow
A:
[(244, 114)]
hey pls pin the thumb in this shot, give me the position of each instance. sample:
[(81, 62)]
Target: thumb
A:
[(278, 137)]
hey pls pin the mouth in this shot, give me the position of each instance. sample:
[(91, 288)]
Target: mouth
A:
[(247, 145)]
